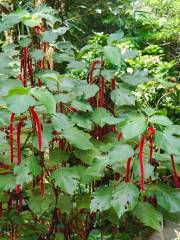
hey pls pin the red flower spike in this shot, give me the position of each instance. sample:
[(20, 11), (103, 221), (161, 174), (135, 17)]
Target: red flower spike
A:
[(11, 137), (25, 64), (152, 130), (128, 167), (176, 178), (101, 92), (38, 30), (19, 126), (151, 149), (141, 148), (120, 136), (38, 127)]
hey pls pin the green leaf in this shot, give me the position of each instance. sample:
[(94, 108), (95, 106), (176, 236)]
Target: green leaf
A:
[(25, 42), (22, 174), (77, 65), (63, 57), (78, 138), (83, 201), (65, 204), (67, 179), (58, 156), (82, 89), (122, 97), (115, 37), (45, 98), (48, 75), (20, 103), (135, 126), (101, 116), (40, 205), (38, 54), (120, 153), (7, 182), (59, 236), (113, 55), (148, 169), (167, 197), (136, 78), (61, 121), (86, 156), (148, 215), (129, 54), (101, 199), (81, 106), (169, 140), (160, 120), (34, 167), (49, 36), (125, 198), (82, 121)]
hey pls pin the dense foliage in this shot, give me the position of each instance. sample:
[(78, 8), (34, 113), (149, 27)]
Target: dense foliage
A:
[(89, 137)]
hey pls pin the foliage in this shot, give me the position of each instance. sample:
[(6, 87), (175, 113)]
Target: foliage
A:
[(72, 126)]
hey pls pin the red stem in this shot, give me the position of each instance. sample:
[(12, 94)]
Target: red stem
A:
[(113, 84), (176, 178), (19, 126), (38, 127), (11, 137), (93, 67), (141, 162)]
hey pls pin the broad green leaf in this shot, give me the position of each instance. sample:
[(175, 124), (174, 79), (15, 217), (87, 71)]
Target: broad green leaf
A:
[(135, 126), (82, 89), (115, 37), (40, 205), (98, 166), (63, 57), (129, 54), (81, 106), (48, 75), (67, 179), (168, 140), (136, 78), (113, 55), (22, 174), (148, 215), (148, 169), (77, 138), (49, 36), (125, 198), (46, 98), (58, 156), (37, 54), (24, 42), (83, 201), (101, 199), (82, 121), (77, 65), (101, 116), (7, 182), (20, 103), (86, 156), (160, 120), (122, 97), (34, 166), (65, 204), (18, 91), (59, 236), (61, 121), (167, 197), (120, 153)]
